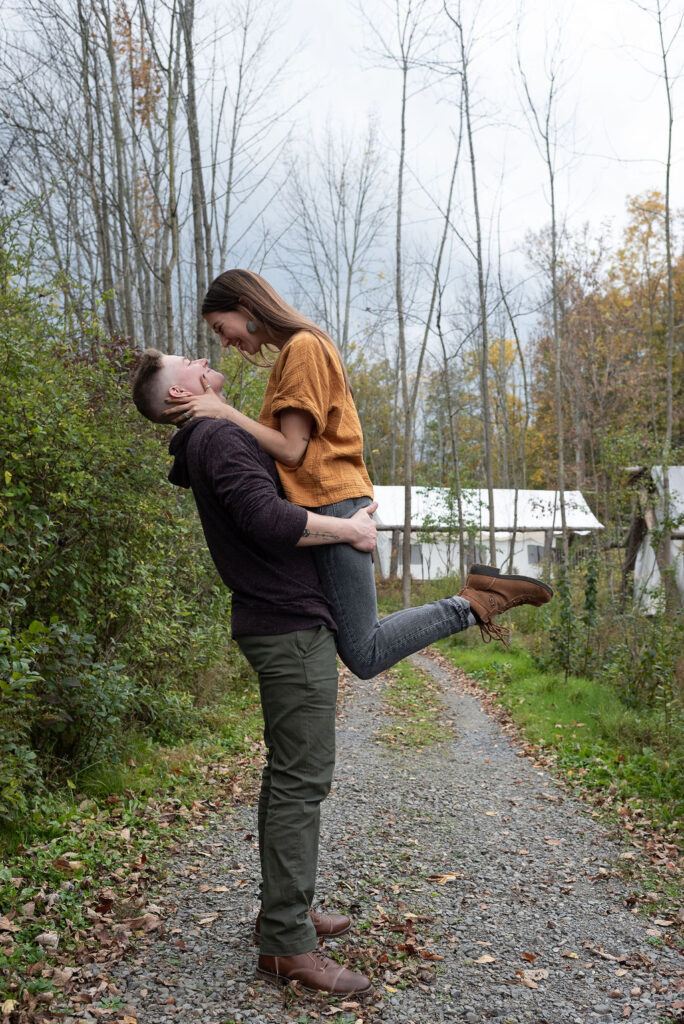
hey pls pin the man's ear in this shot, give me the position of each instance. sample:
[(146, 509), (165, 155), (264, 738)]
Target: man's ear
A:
[(176, 391)]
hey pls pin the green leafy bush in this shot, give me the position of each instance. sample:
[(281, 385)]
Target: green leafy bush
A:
[(109, 603)]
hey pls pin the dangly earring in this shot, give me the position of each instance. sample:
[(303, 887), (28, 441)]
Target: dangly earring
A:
[(252, 326)]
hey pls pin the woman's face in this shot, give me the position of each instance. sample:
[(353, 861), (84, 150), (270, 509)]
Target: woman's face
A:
[(232, 330)]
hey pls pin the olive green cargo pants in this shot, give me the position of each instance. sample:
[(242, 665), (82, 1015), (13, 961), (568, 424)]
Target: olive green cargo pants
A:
[(298, 683)]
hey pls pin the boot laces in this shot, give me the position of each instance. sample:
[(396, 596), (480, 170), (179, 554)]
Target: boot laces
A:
[(322, 961), (492, 631)]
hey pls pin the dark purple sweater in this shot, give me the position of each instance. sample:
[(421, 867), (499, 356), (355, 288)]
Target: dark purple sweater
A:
[(250, 530)]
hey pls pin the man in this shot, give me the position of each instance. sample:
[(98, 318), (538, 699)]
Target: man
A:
[(282, 623)]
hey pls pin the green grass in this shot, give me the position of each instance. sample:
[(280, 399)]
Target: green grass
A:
[(415, 708), (595, 737)]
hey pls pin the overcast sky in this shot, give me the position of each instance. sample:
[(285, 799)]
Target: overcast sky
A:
[(614, 140)]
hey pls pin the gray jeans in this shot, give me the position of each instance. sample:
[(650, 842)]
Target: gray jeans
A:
[(366, 644)]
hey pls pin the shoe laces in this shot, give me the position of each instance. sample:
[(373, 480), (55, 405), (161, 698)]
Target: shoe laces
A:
[(492, 631), (321, 959)]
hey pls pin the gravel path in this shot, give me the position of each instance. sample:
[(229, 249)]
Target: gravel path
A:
[(523, 921)]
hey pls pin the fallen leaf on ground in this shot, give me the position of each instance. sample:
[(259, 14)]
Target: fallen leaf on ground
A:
[(538, 974), (61, 975), (64, 864), (486, 959), (148, 923), (104, 904), (426, 954), (448, 876)]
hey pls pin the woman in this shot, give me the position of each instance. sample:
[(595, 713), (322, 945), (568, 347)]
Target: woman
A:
[(308, 423)]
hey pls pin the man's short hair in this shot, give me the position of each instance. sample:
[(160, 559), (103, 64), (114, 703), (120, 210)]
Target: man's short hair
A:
[(145, 385)]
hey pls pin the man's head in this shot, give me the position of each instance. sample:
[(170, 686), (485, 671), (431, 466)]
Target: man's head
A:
[(159, 376)]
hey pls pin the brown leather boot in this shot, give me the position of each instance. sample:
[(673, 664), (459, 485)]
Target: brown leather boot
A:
[(490, 594), (330, 925), (315, 972)]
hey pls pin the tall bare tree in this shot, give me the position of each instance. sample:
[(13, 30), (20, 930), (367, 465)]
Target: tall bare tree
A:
[(455, 15), (543, 118), (667, 38), (405, 51)]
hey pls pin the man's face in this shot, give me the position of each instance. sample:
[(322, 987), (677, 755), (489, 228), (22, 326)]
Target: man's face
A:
[(186, 374)]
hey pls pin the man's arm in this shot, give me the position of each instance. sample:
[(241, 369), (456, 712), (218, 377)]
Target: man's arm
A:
[(360, 531)]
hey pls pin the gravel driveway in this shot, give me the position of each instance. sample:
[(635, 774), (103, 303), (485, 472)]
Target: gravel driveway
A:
[(480, 890)]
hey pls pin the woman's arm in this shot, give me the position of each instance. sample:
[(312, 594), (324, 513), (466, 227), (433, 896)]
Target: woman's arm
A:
[(288, 445)]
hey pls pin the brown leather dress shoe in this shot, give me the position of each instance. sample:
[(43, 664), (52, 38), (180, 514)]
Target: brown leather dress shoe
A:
[(326, 925), (490, 594), (315, 972)]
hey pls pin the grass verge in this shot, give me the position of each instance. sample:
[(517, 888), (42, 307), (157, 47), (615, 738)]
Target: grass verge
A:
[(625, 755), (417, 714)]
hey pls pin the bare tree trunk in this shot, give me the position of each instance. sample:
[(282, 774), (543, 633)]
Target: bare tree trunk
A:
[(481, 287), (98, 206), (544, 126), (122, 186), (664, 547), (401, 333), (456, 462), (187, 17)]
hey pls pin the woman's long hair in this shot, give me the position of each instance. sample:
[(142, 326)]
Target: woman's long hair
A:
[(234, 288)]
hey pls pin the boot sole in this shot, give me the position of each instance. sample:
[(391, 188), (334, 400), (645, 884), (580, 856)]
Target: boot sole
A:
[(491, 570), (279, 979)]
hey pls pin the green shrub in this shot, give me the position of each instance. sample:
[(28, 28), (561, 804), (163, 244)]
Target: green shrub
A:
[(109, 603)]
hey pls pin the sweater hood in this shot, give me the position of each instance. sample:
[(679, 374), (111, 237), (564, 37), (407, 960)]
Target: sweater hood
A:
[(179, 474)]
